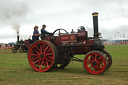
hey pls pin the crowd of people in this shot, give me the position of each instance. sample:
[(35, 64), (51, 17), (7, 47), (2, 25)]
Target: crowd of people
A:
[(5, 46), (36, 33)]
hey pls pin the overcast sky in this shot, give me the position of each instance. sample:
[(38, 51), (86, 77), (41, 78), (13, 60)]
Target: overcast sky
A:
[(66, 14)]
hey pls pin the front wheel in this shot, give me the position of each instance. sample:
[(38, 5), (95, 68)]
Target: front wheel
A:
[(95, 62), (14, 50)]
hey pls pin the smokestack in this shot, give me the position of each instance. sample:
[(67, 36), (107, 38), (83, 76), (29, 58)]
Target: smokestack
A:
[(18, 36), (95, 24)]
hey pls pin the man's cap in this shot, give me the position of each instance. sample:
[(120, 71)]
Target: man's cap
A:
[(44, 25)]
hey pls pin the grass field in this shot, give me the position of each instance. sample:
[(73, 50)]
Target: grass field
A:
[(15, 70)]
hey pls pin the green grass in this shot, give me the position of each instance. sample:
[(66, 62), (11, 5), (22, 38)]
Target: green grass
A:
[(15, 70)]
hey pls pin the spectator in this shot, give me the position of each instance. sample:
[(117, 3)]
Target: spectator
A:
[(36, 34)]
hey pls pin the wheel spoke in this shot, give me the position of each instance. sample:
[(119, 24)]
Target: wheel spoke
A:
[(48, 60), (34, 55), (92, 57), (94, 69), (48, 50), (88, 63), (36, 61), (49, 54), (98, 69), (41, 48), (101, 66), (37, 48), (101, 62), (89, 60), (41, 64), (36, 58), (45, 49), (96, 56), (99, 58), (36, 51), (90, 67), (51, 57), (47, 63)]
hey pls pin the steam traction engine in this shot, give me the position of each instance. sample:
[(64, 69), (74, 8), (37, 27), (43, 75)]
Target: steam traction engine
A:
[(20, 45), (56, 51)]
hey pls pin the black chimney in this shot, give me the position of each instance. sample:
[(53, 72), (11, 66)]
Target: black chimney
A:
[(95, 24), (18, 36)]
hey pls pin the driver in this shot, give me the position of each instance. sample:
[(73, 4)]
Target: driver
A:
[(44, 32)]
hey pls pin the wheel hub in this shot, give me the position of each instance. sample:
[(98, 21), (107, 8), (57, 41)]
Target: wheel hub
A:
[(94, 63), (41, 55)]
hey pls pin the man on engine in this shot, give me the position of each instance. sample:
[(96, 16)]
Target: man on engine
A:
[(44, 32)]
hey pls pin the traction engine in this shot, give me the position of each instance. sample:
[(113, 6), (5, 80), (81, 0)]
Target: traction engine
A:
[(56, 51)]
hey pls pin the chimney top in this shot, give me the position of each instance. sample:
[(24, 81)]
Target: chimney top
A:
[(95, 13)]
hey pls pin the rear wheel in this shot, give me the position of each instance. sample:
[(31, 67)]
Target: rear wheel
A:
[(21, 49), (95, 62), (42, 56)]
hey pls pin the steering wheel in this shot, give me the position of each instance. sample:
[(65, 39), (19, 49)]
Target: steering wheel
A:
[(59, 31)]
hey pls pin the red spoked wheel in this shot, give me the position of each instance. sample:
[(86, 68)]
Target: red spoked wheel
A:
[(109, 58), (42, 56), (95, 62)]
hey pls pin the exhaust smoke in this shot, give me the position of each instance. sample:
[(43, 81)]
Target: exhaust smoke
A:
[(13, 13)]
